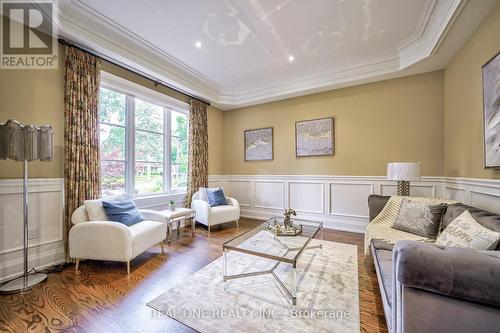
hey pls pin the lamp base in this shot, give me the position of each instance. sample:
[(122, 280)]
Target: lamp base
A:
[(22, 284), (403, 188)]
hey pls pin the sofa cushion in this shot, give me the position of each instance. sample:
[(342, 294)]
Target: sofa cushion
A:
[(465, 232), (145, 234), (384, 263), (419, 218), (122, 211), (382, 257), (222, 214)]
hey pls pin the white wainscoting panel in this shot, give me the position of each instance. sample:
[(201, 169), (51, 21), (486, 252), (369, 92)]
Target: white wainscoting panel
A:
[(480, 193), (269, 194), (241, 189), (340, 202), (307, 197), (348, 199), (485, 200), (45, 202), (455, 193)]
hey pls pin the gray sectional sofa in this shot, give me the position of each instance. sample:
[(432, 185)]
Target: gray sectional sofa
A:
[(426, 288)]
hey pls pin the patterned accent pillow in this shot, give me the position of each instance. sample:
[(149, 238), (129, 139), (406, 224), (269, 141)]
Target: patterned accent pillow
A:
[(419, 218), (465, 232)]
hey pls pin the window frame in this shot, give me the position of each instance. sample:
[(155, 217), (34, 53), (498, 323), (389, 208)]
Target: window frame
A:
[(134, 91)]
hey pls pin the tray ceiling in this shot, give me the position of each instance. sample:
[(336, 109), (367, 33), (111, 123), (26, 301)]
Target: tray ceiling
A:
[(236, 53)]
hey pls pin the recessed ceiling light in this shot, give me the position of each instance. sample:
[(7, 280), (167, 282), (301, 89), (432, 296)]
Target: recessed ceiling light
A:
[(198, 44), (291, 58)]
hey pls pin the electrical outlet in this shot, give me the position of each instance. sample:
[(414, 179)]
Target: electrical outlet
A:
[(33, 233)]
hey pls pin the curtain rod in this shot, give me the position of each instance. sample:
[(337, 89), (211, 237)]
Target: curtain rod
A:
[(155, 81)]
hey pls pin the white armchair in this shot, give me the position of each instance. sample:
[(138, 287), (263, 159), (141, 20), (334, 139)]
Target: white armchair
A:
[(94, 237), (211, 216)]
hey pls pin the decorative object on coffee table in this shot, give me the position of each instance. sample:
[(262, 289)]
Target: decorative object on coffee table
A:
[(259, 144), (491, 112), (314, 137), (276, 226), (25, 143), (171, 205), (285, 226), (288, 213), (403, 173)]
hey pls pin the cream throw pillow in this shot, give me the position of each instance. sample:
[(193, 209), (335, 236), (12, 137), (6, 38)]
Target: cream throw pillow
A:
[(94, 208), (465, 232)]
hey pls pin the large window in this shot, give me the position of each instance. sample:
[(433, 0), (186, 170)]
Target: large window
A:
[(144, 144)]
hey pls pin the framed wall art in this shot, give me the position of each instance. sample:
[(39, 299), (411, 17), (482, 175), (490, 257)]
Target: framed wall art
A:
[(314, 137), (491, 112), (259, 144)]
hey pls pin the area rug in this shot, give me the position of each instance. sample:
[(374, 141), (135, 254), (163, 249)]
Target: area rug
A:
[(327, 295)]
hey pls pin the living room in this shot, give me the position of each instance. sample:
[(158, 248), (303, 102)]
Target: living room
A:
[(240, 166)]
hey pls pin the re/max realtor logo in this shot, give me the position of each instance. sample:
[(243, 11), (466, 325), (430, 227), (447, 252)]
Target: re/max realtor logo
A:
[(28, 35)]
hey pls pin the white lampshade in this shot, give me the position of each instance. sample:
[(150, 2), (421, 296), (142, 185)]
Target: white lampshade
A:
[(403, 171)]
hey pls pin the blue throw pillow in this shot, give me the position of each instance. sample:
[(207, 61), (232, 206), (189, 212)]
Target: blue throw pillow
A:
[(123, 211), (216, 198)]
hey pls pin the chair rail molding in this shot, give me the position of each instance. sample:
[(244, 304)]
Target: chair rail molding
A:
[(340, 202)]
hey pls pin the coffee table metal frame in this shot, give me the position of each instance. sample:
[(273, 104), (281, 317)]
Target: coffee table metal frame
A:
[(291, 295)]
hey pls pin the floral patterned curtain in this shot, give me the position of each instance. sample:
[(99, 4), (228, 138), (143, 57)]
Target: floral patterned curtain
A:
[(81, 131), (198, 148)]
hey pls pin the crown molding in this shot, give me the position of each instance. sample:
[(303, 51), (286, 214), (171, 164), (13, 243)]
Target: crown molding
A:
[(84, 25), (433, 25), (313, 84)]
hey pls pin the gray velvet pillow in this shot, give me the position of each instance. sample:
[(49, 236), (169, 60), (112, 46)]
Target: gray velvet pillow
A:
[(419, 218)]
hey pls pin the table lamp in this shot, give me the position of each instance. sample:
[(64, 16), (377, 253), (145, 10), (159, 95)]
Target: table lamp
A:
[(403, 173)]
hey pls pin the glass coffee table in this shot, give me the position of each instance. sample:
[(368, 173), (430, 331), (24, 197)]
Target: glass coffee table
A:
[(263, 243)]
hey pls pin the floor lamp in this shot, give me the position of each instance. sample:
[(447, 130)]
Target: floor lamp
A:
[(25, 143)]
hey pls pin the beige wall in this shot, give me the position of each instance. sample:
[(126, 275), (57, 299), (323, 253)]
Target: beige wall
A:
[(393, 120), (35, 97), (463, 102)]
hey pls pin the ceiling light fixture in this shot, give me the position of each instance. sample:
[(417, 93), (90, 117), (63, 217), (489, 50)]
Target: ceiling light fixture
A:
[(198, 44), (291, 58)]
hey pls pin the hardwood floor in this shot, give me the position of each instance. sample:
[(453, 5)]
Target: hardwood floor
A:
[(102, 298)]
